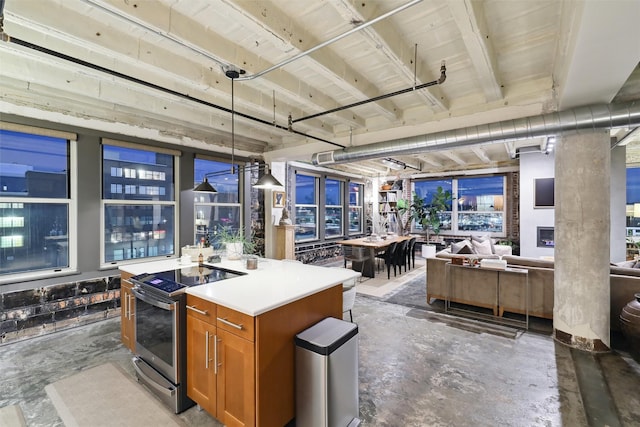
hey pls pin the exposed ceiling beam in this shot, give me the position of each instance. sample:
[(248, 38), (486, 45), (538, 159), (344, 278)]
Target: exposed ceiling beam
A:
[(263, 16), (481, 154), (402, 57), (510, 148), (430, 160), (470, 19), (453, 156)]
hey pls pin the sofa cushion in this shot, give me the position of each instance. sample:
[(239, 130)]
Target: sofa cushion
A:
[(514, 260), (502, 250), (625, 271), (462, 247), (482, 248)]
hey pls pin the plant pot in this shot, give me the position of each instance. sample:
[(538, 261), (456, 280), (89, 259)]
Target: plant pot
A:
[(386, 187), (630, 323), (428, 251), (234, 250)]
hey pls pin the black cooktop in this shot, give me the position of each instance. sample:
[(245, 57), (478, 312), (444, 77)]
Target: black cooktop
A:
[(174, 282)]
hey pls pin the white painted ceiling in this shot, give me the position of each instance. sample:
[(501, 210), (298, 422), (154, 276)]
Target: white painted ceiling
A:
[(504, 59)]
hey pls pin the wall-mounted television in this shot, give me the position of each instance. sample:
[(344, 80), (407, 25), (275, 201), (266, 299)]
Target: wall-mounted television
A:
[(543, 193)]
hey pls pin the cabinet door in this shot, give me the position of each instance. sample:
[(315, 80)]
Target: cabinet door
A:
[(201, 363), (236, 380), (127, 311)]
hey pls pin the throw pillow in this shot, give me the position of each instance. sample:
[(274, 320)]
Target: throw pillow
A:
[(502, 250), (466, 250), (484, 238), (482, 248), (463, 245)]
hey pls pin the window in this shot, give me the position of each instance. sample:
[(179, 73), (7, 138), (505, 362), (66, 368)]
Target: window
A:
[(426, 190), (477, 205), (138, 203), (35, 203), (215, 211), (356, 194), (480, 203), (333, 211), (306, 216)]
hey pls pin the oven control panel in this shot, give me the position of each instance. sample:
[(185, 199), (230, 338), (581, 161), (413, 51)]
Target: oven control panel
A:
[(163, 284)]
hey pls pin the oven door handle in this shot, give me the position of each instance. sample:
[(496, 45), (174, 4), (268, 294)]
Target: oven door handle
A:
[(154, 301)]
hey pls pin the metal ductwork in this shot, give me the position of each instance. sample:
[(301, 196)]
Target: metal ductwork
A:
[(574, 120)]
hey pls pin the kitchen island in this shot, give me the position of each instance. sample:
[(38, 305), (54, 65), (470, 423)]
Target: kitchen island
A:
[(240, 334)]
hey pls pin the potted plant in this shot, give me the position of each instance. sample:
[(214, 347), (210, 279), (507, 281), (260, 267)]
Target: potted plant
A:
[(234, 241), (427, 215)]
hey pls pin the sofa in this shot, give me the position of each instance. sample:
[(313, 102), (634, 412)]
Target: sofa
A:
[(505, 293)]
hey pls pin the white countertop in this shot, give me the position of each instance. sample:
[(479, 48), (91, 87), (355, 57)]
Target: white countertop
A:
[(273, 284)]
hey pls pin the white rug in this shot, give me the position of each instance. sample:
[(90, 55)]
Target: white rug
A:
[(106, 396), (11, 416)]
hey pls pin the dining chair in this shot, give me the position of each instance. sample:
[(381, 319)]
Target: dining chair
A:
[(400, 256), (356, 254), (410, 253), (348, 296), (389, 257)]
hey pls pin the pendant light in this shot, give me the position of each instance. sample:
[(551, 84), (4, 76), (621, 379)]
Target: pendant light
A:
[(266, 181)]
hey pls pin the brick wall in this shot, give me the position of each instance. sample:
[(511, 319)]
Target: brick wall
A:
[(35, 312)]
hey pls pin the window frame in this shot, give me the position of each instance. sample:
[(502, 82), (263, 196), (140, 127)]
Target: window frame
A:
[(359, 206), (455, 211), (240, 194), (341, 206), (106, 202), (316, 206), (71, 202)]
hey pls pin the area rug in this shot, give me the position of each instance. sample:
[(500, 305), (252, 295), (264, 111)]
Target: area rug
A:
[(411, 294), (106, 396), (11, 416)]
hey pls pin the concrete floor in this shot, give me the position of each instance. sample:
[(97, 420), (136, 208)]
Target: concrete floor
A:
[(417, 368)]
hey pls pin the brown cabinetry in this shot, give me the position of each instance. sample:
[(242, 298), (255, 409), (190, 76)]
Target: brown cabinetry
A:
[(220, 362), (127, 311), (241, 368)]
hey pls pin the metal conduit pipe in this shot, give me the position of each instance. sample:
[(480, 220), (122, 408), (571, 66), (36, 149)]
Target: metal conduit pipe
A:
[(114, 11), (332, 40), (591, 117)]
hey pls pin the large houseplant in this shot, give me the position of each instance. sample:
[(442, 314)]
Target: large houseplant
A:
[(425, 214)]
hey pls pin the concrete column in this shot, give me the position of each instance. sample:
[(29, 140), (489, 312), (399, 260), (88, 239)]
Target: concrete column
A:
[(582, 224)]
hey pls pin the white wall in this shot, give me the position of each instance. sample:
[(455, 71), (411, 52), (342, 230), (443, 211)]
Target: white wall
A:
[(534, 165), (272, 215)]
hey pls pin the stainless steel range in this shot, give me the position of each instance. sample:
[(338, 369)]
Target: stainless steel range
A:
[(160, 319)]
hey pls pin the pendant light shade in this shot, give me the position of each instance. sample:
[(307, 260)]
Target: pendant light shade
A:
[(268, 181), (205, 187), (265, 182)]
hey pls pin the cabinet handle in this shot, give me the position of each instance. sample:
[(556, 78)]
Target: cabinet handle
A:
[(127, 306), (215, 354), (203, 312), (226, 322), (206, 350)]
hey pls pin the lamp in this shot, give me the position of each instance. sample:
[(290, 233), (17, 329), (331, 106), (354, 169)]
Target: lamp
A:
[(205, 187), (266, 181)]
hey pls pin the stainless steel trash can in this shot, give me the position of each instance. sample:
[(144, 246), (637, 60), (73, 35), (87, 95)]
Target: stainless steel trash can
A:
[(327, 375)]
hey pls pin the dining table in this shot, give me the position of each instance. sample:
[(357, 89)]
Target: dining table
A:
[(373, 244)]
